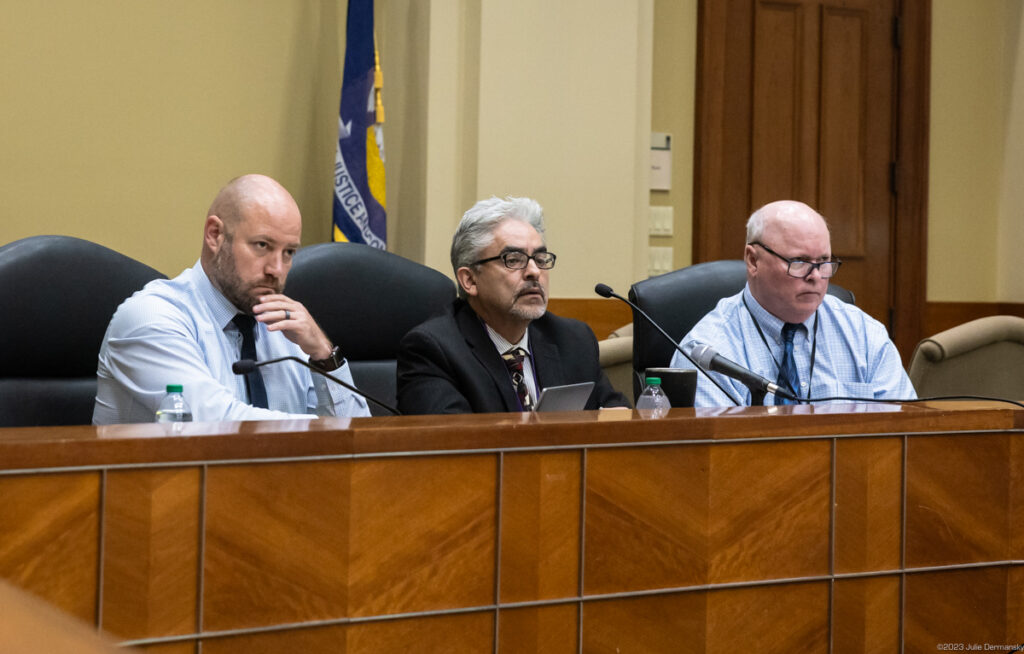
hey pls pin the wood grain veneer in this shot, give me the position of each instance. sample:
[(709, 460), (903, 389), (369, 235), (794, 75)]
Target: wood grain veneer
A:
[(706, 531), (963, 606), (869, 493), (426, 536), (866, 615), (958, 499), (540, 526), (275, 544), (662, 623), (49, 538), (151, 552), (539, 629)]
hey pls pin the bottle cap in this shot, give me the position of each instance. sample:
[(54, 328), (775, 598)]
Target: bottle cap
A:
[(174, 388), (654, 381)]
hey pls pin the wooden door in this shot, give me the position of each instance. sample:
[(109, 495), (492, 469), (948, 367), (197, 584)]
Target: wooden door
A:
[(796, 100)]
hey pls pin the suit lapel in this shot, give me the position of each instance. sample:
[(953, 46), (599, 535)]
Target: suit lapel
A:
[(487, 355), (547, 363)]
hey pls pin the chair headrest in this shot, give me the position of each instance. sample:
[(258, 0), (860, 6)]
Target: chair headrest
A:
[(60, 293)]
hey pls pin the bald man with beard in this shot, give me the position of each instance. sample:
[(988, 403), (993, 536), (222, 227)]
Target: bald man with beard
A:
[(190, 330), (837, 350)]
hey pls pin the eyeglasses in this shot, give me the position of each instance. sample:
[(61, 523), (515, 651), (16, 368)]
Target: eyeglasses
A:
[(516, 260), (802, 268)]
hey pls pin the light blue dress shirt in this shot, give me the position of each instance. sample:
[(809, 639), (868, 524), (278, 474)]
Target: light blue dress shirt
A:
[(179, 331), (854, 357)]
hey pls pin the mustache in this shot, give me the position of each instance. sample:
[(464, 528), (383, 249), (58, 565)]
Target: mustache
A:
[(530, 287)]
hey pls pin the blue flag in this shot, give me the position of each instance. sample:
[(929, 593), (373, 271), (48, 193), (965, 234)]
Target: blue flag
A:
[(359, 215)]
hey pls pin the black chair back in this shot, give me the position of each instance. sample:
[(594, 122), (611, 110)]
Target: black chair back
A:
[(59, 293), (366, 300), (678, 300)]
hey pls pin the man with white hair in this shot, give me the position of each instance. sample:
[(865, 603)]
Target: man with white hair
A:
[(784, 327), (496, 346)]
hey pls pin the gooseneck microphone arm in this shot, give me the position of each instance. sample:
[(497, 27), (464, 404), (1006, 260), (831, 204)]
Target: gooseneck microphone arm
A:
[(706, 356), (245, 366), (606, 291)]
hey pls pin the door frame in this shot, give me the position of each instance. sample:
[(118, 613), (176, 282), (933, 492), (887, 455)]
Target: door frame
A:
[(910, 173)]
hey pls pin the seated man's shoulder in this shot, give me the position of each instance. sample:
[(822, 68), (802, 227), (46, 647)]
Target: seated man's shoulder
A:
[(560, 325), (159, 302)]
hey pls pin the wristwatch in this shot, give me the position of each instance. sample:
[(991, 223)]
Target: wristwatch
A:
[(332, 362)]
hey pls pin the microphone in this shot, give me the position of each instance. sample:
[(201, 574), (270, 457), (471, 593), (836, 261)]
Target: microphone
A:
[(606, 291), (245, 366), (706, 356)]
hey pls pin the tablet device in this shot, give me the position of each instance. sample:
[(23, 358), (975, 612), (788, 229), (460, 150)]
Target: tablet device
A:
[(571, 397)]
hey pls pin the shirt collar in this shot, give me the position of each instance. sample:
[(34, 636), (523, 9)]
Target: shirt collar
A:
[(770, 325), (503, 345)]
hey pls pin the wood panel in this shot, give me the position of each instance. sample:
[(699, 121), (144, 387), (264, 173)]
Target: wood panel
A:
[(958, 498), (322, 640), (963, 606), (671, 623), (49, 538), (276, 544), (646, 519), (869, 496), (792, 618), (550, 629), (602, 315), (940, 316), (180, 647), (866, 616), (151, 552), (769, 510), (427, 533), (540, 526), (471, 633), (781, 51)]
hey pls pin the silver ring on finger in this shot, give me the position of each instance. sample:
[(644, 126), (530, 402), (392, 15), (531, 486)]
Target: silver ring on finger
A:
[(287, 314)]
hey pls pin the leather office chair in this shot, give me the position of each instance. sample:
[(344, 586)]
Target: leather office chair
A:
[(366, 300), (980, 357), (58, 294), (677, 301)]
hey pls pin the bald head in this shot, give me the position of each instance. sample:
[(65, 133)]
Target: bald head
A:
[(242, 195), (252, 230), (776, 232)]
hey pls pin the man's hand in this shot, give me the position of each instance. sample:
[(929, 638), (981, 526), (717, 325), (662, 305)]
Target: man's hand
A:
[(280, 313)]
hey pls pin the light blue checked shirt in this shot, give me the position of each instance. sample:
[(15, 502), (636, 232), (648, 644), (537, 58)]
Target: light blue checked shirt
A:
[(854, 358), (179, 331)]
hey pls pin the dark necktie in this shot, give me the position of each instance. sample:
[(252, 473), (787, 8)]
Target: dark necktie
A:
[(788, 379), (514, 360), (254, 380)]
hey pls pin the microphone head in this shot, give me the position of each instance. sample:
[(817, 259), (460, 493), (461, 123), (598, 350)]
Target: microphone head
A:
[(604, 290), (243, 367), (702, 354)]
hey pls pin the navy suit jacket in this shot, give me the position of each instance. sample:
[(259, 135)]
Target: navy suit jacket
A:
[(449, 364)]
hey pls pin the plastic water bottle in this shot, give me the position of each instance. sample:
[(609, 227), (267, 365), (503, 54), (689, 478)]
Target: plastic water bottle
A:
[(174, 408), (653, 403)]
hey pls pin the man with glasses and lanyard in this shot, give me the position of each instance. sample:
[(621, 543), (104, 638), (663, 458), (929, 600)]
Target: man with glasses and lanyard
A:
[(496, 346), (784, 327)]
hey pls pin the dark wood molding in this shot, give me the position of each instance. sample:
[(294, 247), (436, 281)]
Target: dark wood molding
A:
[(910, 240), (604, 316), (940, 316)]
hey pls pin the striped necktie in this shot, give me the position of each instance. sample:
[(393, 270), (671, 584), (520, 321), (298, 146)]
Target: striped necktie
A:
[(514, 360)]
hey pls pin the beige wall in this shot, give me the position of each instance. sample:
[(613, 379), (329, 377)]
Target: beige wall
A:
[(120, 121), (673, 112), (976, 195)]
